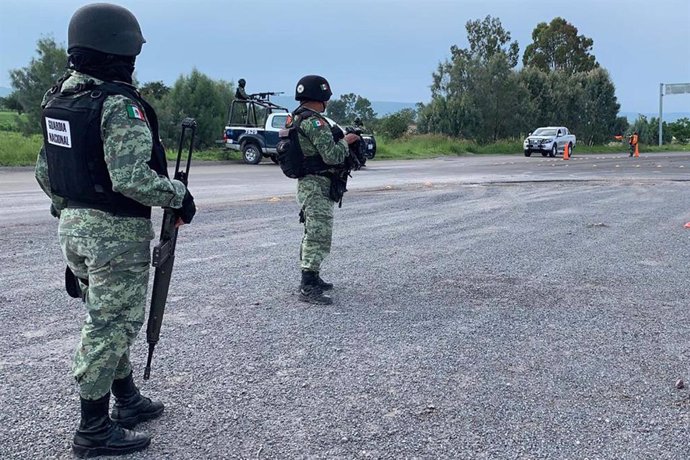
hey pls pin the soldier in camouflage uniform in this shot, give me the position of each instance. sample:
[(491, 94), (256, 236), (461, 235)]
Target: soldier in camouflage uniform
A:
[(103, 166), (241, 93), (313, 190)]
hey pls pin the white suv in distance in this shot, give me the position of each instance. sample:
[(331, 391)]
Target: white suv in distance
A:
[(549, 140)]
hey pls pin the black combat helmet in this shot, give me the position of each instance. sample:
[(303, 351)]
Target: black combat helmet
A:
[(313, 88), (107, 28), (241, 82)]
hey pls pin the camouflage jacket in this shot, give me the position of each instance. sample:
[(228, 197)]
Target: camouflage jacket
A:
[(127, 144), (241, 94), (318, 140)]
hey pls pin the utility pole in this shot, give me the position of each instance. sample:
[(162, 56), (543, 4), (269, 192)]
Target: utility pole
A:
[(661, 112)]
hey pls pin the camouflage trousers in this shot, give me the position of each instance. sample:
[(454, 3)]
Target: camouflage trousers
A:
[(118, 276), (312, 196)]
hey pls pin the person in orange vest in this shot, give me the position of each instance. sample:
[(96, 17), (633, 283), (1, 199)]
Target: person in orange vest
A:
[(634, 139)]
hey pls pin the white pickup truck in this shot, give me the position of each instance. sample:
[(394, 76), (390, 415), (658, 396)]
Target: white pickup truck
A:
[(550, 141)]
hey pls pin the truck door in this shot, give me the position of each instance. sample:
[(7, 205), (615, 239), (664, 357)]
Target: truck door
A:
[(559, 140)]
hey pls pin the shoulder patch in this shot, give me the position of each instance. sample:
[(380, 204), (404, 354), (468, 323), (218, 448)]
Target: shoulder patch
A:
[(135, 112), (317, 123)]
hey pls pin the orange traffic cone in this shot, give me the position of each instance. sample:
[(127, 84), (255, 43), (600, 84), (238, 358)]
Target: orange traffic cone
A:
[(566, 152), (637, 151)]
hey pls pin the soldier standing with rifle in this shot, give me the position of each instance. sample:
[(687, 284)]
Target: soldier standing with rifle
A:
[(103, 166), (317, 192)]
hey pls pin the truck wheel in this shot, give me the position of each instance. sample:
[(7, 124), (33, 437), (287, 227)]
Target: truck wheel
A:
[(571, 149), (554, 150), (251, 153), (528, 153)]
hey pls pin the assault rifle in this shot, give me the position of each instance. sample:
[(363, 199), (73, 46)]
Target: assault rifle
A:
[(265, 96), (164, 253), (352, 163)]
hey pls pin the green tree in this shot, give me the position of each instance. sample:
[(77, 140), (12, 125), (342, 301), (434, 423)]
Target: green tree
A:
[(680, 129), (11, 102), (396, 124), (31, 82), (477, 94), (648, 130), (584, 102), (154, 90), (200, 97), (598, 107), (487, 38), (557, 47), (540, 106), (349, 106), (620, 126)]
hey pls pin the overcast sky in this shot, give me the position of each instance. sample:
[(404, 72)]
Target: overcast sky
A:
[(384, 50)]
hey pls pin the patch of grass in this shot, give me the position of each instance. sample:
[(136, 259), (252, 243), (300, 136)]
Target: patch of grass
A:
[(8, 120), (213, 154), (432, 145), (19, 150)]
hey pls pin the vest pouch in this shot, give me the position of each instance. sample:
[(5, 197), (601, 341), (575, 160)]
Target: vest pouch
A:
[(290, 156)]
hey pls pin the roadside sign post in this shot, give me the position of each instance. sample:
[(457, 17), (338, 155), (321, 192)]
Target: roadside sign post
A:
[(671, 88)]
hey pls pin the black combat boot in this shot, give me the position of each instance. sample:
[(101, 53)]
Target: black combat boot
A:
[(98, 435), (324, 285), (130, 406), (310, 291)]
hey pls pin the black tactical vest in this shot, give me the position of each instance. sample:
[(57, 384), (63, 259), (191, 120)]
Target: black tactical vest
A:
[(71, 122), (303, 165)]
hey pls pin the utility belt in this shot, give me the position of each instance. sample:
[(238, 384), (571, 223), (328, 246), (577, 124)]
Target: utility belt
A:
[(75, 204)]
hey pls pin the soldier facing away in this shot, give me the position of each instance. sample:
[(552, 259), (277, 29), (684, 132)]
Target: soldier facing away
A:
[(103, 166), (324, 153)]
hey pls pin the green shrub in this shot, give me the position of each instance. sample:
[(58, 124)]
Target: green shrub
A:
[(19, 150)]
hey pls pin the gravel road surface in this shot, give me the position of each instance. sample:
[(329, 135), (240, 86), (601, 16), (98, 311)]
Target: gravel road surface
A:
[(485, 308)]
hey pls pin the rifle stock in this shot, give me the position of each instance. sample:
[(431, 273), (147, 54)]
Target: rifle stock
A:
[(163, 257)]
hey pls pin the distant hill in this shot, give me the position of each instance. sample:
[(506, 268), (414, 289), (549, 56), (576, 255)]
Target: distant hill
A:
[(4, 91), (382, 108), (668, 117)]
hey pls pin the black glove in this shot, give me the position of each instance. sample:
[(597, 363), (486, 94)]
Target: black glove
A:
[(337, 133), (188, 209), (53, 211)]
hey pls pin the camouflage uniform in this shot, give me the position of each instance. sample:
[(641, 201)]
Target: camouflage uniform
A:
[(112, 253), (241, 94), (313, 191)]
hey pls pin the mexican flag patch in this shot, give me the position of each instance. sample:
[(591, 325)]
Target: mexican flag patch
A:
[(317, 123), (135, 112)]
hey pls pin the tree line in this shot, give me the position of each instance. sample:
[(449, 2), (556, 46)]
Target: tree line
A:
[(479, 93)]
